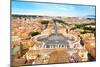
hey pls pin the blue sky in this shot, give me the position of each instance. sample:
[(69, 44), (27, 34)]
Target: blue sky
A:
[(49, 9)]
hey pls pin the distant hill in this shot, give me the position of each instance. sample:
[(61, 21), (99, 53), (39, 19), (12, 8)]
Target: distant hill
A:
[(91, 16)]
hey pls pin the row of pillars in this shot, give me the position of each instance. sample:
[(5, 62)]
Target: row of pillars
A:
[(55, 46)]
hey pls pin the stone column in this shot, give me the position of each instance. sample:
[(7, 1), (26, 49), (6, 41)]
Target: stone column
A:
[(50, 46), (44, 46), (58, 45), (55, 45), (65, 46)]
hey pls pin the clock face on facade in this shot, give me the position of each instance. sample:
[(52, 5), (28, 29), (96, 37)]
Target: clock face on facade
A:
[(52, 33)]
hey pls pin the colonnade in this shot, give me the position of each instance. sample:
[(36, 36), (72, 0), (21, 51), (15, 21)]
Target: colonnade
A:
[(56, 46)]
